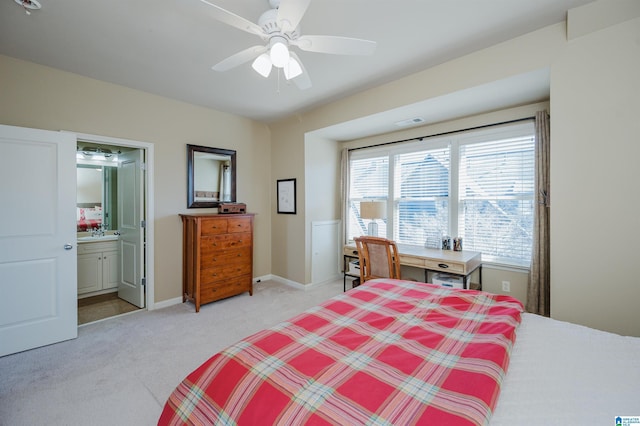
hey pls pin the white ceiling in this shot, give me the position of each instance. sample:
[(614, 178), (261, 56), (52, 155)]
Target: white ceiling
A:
[(167, 47)]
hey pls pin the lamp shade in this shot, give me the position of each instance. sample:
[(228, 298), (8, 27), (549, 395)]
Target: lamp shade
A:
[(279, 54), (292, 70), (262, 65), (373, 209)]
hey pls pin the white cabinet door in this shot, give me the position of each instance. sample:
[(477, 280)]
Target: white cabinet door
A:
[(38, 255), (89, 272), (110, 270)]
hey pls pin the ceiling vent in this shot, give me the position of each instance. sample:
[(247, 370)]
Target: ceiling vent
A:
[(410, 122)]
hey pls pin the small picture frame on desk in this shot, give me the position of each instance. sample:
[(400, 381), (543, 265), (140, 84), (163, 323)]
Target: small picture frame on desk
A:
[(286, 192)]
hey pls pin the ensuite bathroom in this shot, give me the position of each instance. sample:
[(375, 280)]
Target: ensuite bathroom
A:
[(105, 198)]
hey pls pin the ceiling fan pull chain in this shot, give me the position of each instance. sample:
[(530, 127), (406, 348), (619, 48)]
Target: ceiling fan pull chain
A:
[(278, 88)]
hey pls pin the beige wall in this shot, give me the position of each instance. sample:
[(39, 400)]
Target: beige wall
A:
[(594, 104), (531, 52), (595, 208), (44, 98)]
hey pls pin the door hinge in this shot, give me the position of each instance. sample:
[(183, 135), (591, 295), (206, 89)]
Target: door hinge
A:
[(144, 281), (143, 166), (143, 224)]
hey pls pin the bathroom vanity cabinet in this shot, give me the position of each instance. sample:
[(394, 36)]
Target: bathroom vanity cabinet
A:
[(98, 266)]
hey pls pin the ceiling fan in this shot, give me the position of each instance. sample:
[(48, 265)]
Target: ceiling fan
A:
[(278, 28)]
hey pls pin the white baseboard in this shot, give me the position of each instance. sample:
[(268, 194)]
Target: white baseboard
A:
[(295, 284), (166, 303), (256, 280)]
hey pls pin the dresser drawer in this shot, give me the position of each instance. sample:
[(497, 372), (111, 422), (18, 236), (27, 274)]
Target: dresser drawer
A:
[(226, 257), (350, 251), (452, 267), (240, 224), (229, 287), (209, 275), (214, 226), (212, 243)]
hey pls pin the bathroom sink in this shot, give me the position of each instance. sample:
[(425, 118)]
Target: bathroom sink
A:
[(89, 238)]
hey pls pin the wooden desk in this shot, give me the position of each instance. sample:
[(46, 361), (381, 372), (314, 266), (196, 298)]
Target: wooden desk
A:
[(460, 263)]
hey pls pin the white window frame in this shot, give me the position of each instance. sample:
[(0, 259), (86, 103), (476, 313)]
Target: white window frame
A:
[(454, 141)]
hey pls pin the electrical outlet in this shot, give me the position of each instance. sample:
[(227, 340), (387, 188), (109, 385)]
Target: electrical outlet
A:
[(506, 286)]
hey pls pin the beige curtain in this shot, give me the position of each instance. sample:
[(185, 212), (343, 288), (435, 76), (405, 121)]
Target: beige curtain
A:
[(538, 294)]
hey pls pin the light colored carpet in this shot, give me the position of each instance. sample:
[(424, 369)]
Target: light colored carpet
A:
[(121, 371)]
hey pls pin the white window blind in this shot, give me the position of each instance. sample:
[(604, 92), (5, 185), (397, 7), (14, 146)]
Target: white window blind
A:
[(422, 196), (368, 181), (496, 198)]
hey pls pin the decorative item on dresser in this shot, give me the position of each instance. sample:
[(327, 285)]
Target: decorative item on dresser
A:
[(217, 257)]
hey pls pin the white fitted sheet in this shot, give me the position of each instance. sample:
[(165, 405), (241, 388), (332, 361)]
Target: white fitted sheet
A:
[(566, 374)]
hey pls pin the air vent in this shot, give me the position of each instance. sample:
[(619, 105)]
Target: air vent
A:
[(410, 122)]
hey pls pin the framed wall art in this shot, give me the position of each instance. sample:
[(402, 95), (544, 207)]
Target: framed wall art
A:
[(286, 196)]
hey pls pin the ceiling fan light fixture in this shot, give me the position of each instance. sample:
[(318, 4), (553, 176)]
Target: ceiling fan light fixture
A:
[(279, 53), (262, 65), (292, 70)]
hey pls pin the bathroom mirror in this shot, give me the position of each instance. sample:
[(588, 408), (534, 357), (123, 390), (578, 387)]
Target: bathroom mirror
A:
[(96, 197), (211, 176)]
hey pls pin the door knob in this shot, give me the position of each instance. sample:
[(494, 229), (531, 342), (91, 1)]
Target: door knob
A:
[(68, 246)]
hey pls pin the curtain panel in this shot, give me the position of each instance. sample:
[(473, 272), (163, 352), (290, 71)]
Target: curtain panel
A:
[(539, 288)]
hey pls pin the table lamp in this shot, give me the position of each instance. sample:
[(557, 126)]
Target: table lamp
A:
[(373, 210)]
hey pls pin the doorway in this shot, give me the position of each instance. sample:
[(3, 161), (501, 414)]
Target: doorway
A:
[(118, 260)]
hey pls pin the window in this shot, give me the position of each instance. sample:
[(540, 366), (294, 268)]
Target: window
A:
[(421, 196), (368, 181), (477, 185)]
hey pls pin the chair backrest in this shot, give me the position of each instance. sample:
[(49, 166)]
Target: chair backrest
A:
[(378, 258)]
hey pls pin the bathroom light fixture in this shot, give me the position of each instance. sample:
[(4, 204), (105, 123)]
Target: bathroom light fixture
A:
[(29, 5), (96, 153)]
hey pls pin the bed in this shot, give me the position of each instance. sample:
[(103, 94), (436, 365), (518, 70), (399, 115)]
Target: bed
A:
[(388, 352), (556, 373)]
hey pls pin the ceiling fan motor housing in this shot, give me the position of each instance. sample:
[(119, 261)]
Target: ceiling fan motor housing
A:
[(268, 21)]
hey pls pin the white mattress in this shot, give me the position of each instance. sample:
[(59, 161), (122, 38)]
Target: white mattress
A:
[(566, 374)]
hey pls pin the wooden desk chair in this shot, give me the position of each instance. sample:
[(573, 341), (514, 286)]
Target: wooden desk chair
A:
[(378, 258)]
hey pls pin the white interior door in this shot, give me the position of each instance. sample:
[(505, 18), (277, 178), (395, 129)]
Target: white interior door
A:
[(130, 207), (38, 254)]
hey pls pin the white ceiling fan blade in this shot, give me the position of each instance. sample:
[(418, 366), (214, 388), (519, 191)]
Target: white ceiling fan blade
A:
[(234, 20), (290, 13), (335, 45), (302, 81), (240, 58)]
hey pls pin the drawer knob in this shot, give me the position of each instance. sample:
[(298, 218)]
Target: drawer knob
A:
[(443, 265)]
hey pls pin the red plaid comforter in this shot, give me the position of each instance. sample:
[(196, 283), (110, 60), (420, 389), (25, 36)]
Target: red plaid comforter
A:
[(389, 352)]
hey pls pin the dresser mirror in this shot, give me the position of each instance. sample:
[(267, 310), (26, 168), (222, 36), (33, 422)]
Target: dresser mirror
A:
[(211, 176)]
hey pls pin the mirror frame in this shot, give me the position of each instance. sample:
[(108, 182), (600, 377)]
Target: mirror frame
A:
[(191, 150)]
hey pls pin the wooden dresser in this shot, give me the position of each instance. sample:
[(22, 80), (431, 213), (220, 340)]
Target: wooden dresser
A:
[(217, 259)]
